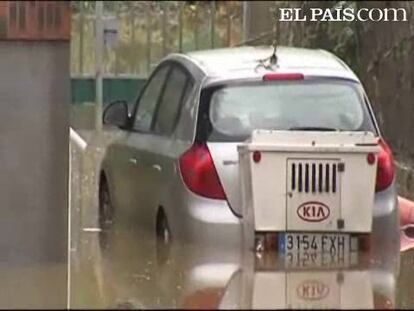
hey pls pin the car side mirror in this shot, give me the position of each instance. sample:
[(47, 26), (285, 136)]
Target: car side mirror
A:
[(116, 114)]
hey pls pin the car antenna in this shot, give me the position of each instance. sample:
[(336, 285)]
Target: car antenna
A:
[(273, 57), (271, 61)]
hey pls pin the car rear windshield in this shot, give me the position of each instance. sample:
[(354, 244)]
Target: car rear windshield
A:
[(230, 112)]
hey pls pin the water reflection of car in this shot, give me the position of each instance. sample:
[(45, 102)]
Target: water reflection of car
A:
[(175, 169), (196, 277), (269, 284), (191, 276)]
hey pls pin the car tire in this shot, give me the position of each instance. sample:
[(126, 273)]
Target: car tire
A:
[(163, 238), (106, 213)]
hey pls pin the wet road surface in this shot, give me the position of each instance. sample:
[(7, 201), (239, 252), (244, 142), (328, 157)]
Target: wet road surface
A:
[(128, 268)]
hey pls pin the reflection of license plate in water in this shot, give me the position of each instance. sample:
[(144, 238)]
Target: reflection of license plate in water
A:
[(317, 242), (313, 260)]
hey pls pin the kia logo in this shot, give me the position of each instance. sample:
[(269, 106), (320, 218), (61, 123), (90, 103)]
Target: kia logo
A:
[(313, 211), (312, 290)]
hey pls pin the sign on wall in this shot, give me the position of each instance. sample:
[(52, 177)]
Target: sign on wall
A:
[(35, 20)]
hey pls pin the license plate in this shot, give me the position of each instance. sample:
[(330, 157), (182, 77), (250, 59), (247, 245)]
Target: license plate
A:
[(317, 242)]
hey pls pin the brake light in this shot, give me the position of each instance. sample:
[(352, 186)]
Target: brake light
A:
[(385, 169), (282, 76), (257, 156), (371, 158), (200, 174)]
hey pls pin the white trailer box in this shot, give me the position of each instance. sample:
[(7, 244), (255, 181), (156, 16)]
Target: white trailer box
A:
[(308, 181)]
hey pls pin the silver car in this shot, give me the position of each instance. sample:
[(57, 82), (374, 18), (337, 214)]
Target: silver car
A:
[(174, 171)]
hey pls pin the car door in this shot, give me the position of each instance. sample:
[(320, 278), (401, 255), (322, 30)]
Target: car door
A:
[(130, 155), (167, 146), (160, 154)]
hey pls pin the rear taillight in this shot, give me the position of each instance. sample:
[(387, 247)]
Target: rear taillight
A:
[(385, 169), (199, 173)]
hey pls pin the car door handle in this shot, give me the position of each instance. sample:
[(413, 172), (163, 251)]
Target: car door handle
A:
[(133, 161), (157, 167)]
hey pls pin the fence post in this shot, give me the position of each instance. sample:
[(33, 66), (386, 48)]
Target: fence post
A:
[(246, 18), (132, 25), (196, 27), (98, 65), (212, 21), (148, 37), (180, 27), (81, 34), (164, 28), (229, 20)]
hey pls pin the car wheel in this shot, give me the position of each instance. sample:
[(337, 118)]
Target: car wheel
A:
[(106, 213), (163, 238)]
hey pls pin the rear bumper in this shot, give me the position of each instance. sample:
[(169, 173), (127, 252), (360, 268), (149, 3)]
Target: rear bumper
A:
[(216, 226), (211, 222), (202, 221), (386, 222), (386, 230)]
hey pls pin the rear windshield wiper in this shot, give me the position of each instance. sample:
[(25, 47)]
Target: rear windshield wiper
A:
[(314, 128)]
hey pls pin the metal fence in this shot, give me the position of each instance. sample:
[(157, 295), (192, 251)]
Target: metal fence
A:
[(149, 30)]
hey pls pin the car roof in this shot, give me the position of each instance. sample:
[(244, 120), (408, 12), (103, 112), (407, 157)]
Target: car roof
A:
[(242, 62)]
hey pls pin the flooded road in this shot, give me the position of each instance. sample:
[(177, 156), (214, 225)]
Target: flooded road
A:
[(128, 268)]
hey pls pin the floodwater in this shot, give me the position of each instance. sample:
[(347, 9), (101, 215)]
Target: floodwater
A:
[(130, 269)]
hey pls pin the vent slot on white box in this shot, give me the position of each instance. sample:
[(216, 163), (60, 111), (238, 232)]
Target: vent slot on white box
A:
[(312, 177)]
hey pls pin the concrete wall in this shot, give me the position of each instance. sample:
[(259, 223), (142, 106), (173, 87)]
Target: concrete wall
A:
[(34, 103)]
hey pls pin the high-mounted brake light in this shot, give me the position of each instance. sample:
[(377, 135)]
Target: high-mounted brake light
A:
[(282, 76), (199, 173), (385, 168)]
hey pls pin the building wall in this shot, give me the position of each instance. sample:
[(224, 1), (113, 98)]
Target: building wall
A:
[(34, 20), (34, 103)]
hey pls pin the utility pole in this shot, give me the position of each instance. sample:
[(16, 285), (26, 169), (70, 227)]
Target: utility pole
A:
[(99, 46)]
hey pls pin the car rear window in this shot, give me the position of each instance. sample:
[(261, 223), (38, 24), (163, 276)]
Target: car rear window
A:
[(231, 112)]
